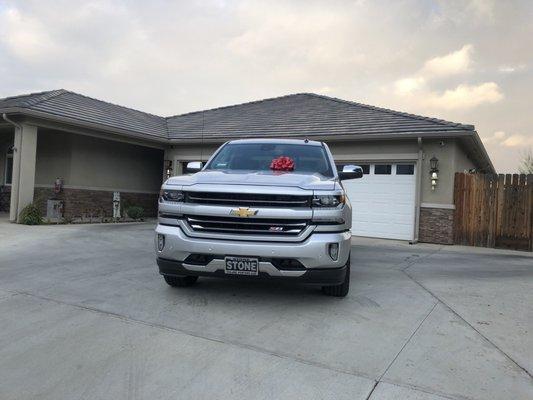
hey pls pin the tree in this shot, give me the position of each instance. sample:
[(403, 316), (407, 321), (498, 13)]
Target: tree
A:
[(526, 163)]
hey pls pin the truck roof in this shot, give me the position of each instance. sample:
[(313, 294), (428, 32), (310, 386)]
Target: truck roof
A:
[(287, 141)]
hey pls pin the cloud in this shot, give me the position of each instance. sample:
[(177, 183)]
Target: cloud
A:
[(509, 69), (408, 86), (26, 37), (500, 138), (466, 96), (482, 9), (456, 62), (496, 137), (323, 90), (518, 140), (418, 88), (471, 12)]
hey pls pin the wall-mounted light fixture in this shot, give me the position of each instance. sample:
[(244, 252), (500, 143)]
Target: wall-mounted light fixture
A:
[(434, 171), (168, 169)]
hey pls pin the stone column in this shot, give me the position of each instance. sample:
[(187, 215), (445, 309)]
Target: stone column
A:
[(24, 156)]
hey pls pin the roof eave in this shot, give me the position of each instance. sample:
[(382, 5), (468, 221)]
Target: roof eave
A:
[(84, 124), (348, 136), (484, 154)]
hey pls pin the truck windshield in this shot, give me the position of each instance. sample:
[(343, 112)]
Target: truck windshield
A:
[(258, 157)]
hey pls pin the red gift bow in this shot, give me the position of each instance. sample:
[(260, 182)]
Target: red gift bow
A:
[(282, 164)]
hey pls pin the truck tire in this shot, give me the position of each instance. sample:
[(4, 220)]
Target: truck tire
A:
[(342, 289), (176, 281)]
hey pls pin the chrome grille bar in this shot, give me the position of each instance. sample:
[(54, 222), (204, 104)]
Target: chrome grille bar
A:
[(248, 225), (252, 199), (239, 221)]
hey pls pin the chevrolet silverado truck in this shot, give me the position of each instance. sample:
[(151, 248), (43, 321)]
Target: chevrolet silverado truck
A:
[(259, 209)]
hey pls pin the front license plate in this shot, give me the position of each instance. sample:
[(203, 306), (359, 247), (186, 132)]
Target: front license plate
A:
[(242, 266)]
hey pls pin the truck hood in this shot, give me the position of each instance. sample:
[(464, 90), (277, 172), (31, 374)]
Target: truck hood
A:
[(255, 178)]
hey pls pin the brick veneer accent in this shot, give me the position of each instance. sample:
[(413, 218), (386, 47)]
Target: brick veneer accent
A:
[(81, 202), (5, 198), (436, 225)]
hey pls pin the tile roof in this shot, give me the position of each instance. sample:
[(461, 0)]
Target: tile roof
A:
[(305, 115), (295, 115), (76, 107)]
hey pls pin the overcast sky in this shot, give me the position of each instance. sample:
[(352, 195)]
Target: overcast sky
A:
[(464, 61)]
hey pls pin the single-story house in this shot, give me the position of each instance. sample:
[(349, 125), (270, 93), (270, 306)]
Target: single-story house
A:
[(96, 148)]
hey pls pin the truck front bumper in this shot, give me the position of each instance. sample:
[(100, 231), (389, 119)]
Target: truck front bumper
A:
[(312, 254)]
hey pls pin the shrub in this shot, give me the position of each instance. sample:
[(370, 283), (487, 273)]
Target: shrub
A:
[(31, 215), (135, 212)]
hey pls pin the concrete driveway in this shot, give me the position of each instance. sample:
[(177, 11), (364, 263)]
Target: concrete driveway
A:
[(85, 315)]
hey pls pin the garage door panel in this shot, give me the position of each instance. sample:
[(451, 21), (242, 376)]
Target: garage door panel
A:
[(383, 205), (396, 219)]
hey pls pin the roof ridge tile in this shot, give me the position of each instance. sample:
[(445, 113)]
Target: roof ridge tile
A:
[(113, 104), (235, 105), (26, 98), (45, 97)]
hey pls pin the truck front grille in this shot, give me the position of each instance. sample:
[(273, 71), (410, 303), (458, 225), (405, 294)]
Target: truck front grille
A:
[(248, 199), (264, 226)]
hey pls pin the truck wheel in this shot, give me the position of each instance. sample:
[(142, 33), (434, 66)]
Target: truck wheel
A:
[(342, 289), (180, 281)]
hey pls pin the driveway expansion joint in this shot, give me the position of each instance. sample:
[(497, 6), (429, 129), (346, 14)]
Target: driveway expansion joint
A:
[(417, 260), (257, 349), (449, 308), (165, 328), (425, 390), (372, 390), (408, 340)]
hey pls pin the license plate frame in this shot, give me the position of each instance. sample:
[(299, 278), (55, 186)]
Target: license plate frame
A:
[(236, 265)]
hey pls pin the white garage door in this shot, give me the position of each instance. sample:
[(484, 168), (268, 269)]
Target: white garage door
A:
[(383, 200)]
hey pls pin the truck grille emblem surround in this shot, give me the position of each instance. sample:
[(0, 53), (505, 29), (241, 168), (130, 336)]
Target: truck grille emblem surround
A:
[(243, 212)]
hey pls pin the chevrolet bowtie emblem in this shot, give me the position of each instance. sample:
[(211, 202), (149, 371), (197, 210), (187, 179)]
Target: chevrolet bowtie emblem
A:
[(243, 212)]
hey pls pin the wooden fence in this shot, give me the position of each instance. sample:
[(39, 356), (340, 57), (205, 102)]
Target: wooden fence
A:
[(494, 211)]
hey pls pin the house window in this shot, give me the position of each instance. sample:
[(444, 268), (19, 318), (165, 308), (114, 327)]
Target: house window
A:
[(382, 169), (405, 169), (9, 166)]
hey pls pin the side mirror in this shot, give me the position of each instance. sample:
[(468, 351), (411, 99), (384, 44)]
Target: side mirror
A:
[(351, 172), (194, 166)]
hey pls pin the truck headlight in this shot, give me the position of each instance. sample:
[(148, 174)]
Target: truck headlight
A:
[(328, 200), (171, 195)]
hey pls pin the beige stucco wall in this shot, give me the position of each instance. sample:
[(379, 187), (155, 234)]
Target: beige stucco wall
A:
[(370, 150), (452, 159), (462, 162), (89, 162), (444, 152)]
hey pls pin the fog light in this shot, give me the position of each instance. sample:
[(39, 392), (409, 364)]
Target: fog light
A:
[(334, 251), (160, 242)]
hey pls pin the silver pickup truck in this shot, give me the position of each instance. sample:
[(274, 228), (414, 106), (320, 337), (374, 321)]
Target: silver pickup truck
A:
[(259, 209)]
